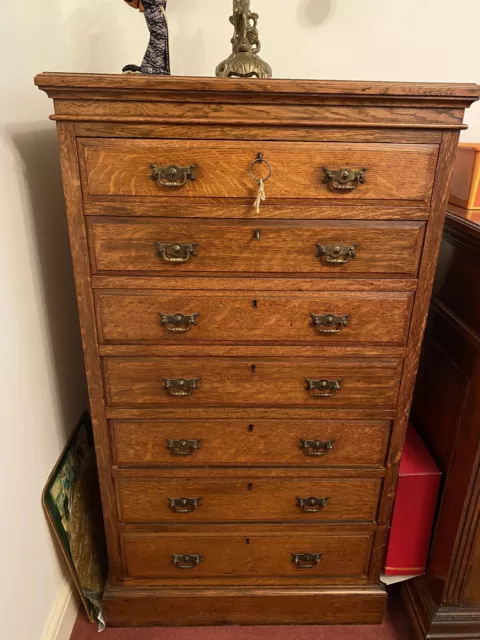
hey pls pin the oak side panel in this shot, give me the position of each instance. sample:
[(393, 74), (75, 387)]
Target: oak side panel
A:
[(79, 250), (431, 249)]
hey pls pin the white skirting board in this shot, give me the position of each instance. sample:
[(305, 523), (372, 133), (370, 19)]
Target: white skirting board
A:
[(63, 614)]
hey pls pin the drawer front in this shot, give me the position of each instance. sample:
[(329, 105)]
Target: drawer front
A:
[(184, 381), (243, 499), (258, 555), (184, 317), (222, 169), (227, 246), (250, 442)]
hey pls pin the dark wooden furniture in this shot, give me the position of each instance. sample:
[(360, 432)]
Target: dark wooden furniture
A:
[(250, 373), (445, 603)]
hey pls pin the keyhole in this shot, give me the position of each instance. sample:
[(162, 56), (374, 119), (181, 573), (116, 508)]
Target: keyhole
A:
[(247, 540), (250, 427), (253, 368), (250, 486), (255, 304)]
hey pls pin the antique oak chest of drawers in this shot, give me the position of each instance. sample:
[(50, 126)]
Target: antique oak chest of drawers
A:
[(250, 369)]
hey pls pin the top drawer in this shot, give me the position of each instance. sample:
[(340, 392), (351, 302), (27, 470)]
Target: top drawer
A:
[(394, 172)]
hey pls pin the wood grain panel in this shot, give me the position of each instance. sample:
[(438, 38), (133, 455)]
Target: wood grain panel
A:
[(165, 207), (257, 555), (230, 247), (251, 442), (247, 499), (252, 317), (394, 172), (238, 381)]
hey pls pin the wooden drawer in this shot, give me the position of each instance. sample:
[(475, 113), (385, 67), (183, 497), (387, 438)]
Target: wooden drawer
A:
[(246, 499), (250, 442), (222, 169), (231, 246), (182, 317), (231, 555), (259, 381)]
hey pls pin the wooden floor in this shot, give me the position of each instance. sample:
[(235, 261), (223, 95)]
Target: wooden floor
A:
[(394, 628)]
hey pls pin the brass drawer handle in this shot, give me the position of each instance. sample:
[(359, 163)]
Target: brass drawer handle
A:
[(181, 387), (329, 323), (189, 561), (179, 322), (183, 505), (323, 388), (183, 447), (306, 560), (176, 253), (312, 505), (344, 180), (336, 253), (316, 447), (172, 176)]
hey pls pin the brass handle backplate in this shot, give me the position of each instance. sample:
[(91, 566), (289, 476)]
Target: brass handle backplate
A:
[(329, 323), (172, 176), (323, 388), (316, 447), (306, 560), (176, 253), (188, 561), (183, 447), (181, 387), (312, 505), (183, 505), (179, 322), (344, 180), (336, 253)]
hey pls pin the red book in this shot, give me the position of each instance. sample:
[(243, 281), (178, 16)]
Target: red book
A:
[(414, 510)]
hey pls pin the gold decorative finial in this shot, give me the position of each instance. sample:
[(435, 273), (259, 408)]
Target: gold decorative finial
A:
[(244, 61)]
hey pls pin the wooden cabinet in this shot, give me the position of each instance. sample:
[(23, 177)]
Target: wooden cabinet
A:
[(250, 372), (445, 603)]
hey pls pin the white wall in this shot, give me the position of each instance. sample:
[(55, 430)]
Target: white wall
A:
[(42, 380)]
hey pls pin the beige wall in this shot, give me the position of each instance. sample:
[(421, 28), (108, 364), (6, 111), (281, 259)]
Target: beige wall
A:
[(41, 366)]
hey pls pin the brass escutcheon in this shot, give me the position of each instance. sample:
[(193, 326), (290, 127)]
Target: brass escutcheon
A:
[(176, 252), (183, 505), (344, 180), (323, 388), (312, 505), (316, 447), (306, 560), (336, 253), (329, 323), (181, 387), (183, 447), (179, 322), (172, 176), (187, 561)]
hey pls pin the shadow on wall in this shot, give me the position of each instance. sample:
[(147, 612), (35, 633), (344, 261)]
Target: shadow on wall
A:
[(38, 151), (312, 13)]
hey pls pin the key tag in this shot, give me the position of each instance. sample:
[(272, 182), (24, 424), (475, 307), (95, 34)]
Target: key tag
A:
[(261, 196)]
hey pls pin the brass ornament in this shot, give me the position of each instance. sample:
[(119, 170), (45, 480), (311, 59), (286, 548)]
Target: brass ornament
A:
[(344, 180), (312, 505), (336, 253), (316, 447), (244, 61), (183, 505), (329, 323), (323, 388), (188, 561), (183, 447), (179, 322), (306, 560)]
